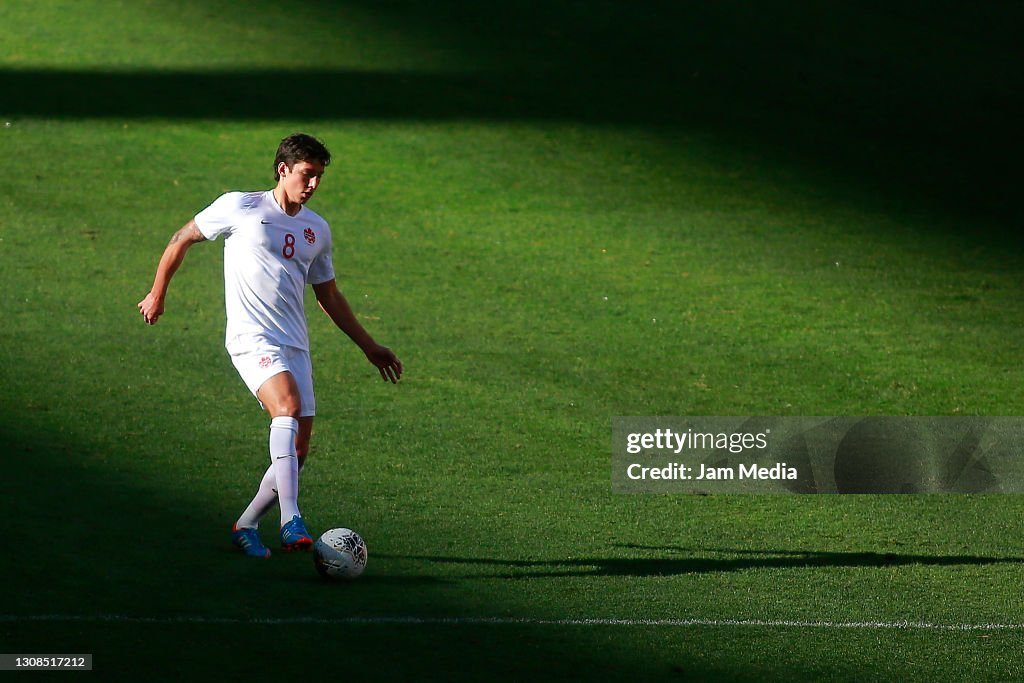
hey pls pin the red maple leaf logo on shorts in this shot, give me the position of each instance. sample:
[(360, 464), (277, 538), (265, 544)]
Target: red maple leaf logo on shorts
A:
[(309, 235), (265, 362)]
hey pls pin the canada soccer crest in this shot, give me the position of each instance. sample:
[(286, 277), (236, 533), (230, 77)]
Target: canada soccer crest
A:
[(309, 235)]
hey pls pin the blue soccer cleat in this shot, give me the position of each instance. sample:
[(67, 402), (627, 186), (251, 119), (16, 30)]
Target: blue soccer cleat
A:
[(249, 541), (294, 535)]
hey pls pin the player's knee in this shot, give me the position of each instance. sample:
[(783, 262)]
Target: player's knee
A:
[(288, 406)]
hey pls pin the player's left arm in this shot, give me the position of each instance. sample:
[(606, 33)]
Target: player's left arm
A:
[(337, 308)]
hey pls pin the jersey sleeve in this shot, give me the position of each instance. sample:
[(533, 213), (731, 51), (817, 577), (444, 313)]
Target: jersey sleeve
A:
[(322, 267), (220, 217)]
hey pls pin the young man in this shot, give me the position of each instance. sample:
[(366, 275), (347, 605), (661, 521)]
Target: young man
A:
[(273, 247)]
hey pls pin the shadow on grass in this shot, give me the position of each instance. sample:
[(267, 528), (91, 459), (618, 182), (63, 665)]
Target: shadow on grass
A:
[(642, 567), (900, 99), (129, 564)]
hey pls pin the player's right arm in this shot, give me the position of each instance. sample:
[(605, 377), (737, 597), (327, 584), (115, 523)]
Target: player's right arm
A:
[(152, 307)]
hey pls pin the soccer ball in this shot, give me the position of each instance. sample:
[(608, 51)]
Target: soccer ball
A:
[(339, 554)]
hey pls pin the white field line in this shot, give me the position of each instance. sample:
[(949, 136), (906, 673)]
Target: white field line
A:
[(512, 621)]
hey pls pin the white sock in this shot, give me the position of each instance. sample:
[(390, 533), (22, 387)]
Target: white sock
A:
[(263, 502), (285, 464)]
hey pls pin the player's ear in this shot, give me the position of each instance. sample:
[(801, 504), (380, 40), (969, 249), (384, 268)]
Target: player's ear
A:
[(281, 168)]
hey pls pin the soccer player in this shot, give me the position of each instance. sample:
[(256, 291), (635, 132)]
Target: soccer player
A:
[(273, 246)]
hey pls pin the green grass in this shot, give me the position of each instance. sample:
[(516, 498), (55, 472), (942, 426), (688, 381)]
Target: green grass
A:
[(541, 265)]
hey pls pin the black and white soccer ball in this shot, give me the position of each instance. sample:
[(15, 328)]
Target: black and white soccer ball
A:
[(339, 554)]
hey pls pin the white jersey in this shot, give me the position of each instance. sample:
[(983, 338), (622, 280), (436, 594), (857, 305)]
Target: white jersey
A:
[(269, 257)]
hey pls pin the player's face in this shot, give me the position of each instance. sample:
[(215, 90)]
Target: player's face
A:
[(301, 180)]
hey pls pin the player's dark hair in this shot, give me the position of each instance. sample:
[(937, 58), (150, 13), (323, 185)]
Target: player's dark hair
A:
[(300, 147)]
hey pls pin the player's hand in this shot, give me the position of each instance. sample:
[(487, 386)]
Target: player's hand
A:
[(387, 363), (151, 308)]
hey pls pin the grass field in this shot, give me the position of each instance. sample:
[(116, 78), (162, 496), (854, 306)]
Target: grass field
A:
[(555, 215)]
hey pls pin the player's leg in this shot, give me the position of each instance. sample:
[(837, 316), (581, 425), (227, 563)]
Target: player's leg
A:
[(280, 396), (282, 381), (266, 496), (292, 396), (262, 503), (302, 439)]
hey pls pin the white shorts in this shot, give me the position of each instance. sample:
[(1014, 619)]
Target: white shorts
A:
[(257, 360)]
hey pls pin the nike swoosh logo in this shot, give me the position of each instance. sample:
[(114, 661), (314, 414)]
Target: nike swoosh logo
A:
[(265, 222)]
